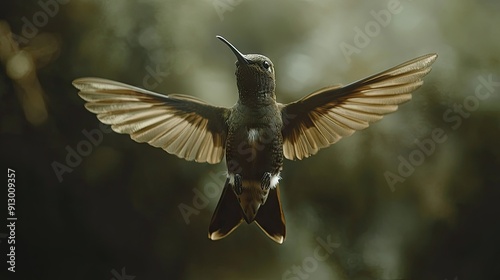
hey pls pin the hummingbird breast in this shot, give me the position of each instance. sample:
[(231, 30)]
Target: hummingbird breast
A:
[(254, 149), (254, 143)]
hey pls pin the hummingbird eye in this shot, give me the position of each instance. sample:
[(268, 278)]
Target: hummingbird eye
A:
[(266, 65)]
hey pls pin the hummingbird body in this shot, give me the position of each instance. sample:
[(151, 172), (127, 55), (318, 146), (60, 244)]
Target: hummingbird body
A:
[(254, 151), (256, 134), (254, 147)]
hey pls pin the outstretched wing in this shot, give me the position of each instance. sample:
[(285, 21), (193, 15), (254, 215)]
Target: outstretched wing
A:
[(325, 116), (179, 124)]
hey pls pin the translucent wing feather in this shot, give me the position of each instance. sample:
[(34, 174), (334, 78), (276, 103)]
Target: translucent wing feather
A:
[(181, 125), (325, 116)]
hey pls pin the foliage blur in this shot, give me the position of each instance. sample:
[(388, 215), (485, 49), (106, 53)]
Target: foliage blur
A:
[(117, 211)]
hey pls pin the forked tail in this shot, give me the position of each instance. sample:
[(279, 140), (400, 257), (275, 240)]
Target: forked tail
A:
[(228, 215)]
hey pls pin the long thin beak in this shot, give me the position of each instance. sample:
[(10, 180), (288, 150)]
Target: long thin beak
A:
[(239, 55)]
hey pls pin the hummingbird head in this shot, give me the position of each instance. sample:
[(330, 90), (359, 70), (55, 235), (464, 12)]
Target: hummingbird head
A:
[(254, 76)]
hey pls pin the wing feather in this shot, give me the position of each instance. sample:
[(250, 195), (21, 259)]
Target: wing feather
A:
[(325, 116), (181, 125)]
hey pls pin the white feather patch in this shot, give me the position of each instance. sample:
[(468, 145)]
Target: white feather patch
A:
[(253, 135), (274, 180), (231, 178)]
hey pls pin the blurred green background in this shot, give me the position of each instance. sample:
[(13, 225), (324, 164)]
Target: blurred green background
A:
[(114, 213)]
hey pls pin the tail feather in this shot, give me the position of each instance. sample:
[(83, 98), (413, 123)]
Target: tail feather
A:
[(251, 199), (227, 215), (270, 217)]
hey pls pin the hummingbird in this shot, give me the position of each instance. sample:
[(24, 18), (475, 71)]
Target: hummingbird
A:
[(256, 134)]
